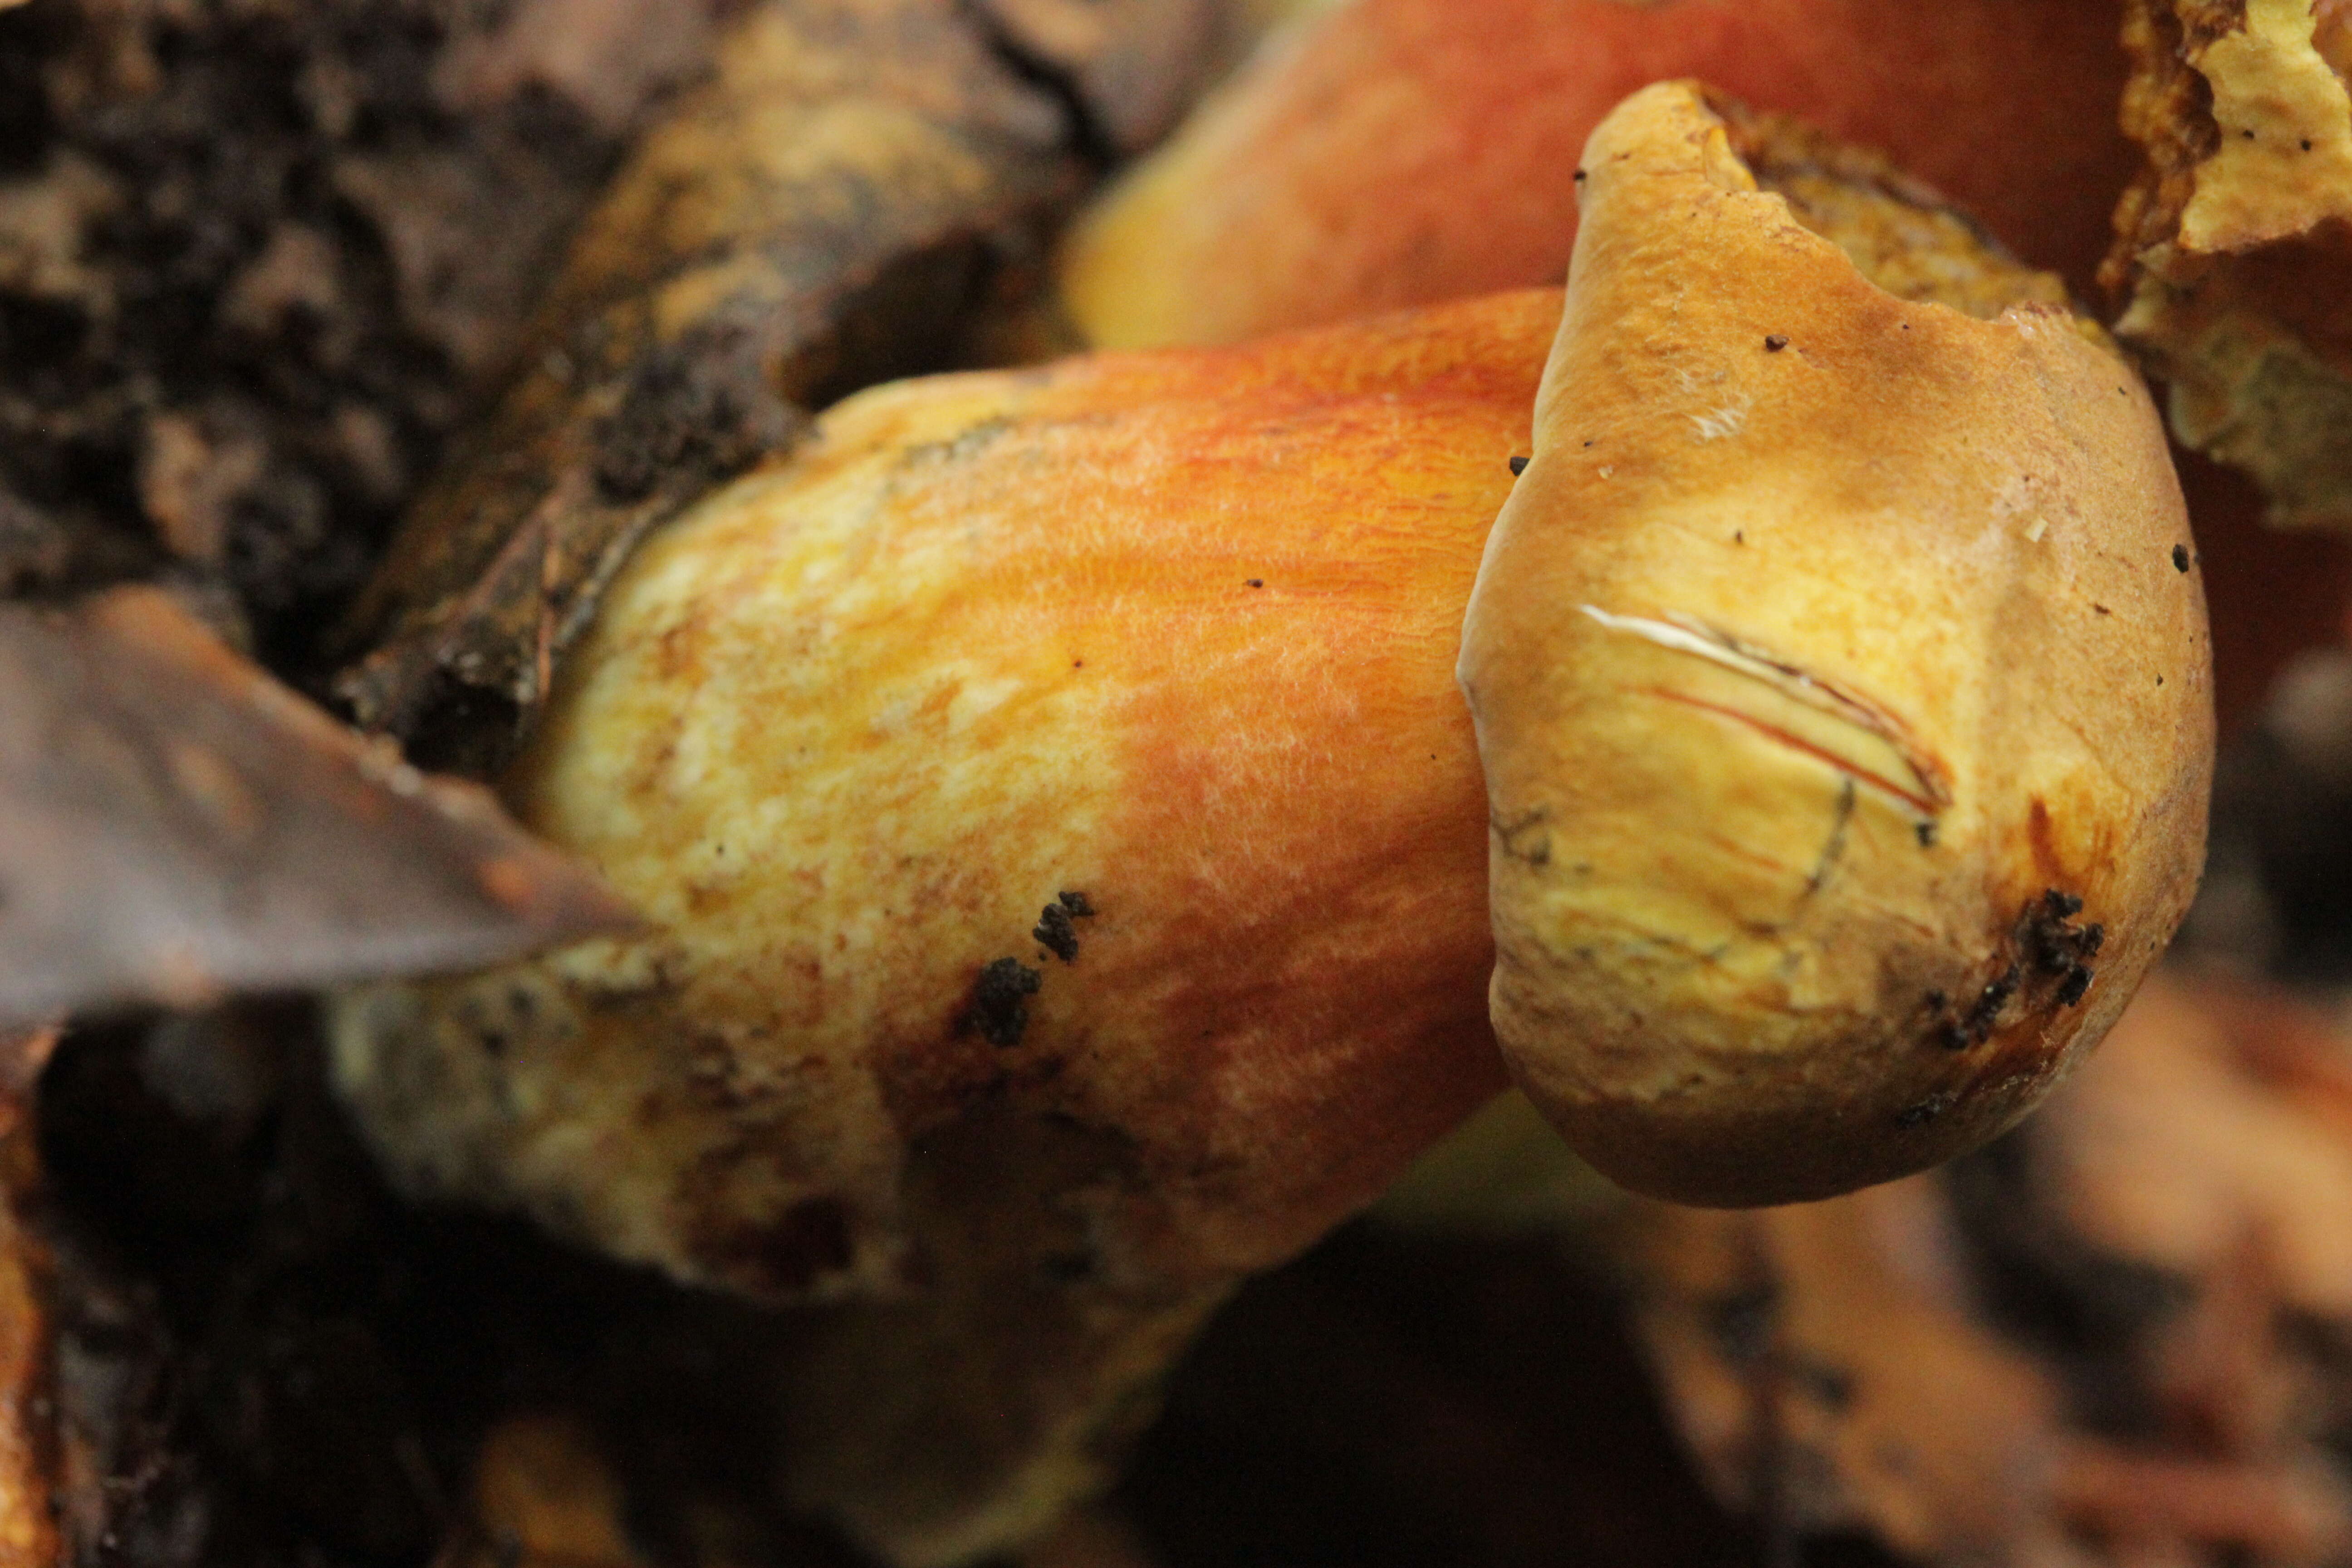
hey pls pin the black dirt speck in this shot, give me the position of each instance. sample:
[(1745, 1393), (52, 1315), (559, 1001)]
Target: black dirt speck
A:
[(1992, 999), (2058, 947), (1923, 1112), (1056, 935), (1000, 1002)]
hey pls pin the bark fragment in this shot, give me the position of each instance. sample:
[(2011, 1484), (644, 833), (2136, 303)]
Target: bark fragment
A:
[(825, 214)]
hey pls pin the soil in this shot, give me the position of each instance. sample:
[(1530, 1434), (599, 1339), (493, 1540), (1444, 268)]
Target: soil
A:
[(257, 259)]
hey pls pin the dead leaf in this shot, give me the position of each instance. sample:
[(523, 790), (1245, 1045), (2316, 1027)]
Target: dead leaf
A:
[(1823, 1366), (2179, 1141), (173, 823), (2119, 1337)]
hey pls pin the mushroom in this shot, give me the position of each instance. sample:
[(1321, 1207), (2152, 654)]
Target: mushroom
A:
[(1061, 847), (1060, 836), (1391, 152), (1840, 674)]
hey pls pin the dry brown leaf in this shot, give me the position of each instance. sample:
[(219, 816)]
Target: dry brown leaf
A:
[(1825, 1368), (2105, 1341), (2178, 1146), (173, 823)]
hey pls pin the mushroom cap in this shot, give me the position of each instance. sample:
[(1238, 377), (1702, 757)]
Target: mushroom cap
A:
[(1391, 152), (1841, 677)]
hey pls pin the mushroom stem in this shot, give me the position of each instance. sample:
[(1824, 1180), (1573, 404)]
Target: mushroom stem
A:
[(1061, 844)]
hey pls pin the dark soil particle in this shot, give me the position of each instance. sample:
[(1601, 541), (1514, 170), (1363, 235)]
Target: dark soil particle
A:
[(2049, 968), (1986, 1007), (264, 256), (999, 1008), (2058, 947), (1923, 1112), (1056, 935)]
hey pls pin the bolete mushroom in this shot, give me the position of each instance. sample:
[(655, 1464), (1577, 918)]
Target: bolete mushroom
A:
[(1840, 673), (1062, 839)]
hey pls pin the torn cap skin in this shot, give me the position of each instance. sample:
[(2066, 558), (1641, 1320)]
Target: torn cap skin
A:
[(1840, 674)]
